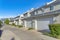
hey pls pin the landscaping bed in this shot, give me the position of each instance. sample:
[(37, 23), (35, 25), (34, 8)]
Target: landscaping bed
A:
[(0, 23), (19, 26), (54, 30)]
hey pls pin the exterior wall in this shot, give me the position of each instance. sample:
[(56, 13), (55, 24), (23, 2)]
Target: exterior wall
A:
[(43, 10), (47, 10), (56, 7), (25, 15), (25, 24), (20, 22), (16, 22), (57, 19), (29, 14), (39, 11), (11, 22), (34, 23), (31, 23), (32, 13)]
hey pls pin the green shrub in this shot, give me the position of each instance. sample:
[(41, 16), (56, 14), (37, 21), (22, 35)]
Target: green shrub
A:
[(6, 21), (48, 34), (55, 29), (19, 26), (0, 23), (13, 24), (30, 28)]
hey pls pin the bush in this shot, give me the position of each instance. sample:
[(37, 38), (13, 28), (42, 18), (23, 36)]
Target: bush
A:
[(19, 26), (13, 24), (0, 23), (6, 21), (30, 28), (55, 29)]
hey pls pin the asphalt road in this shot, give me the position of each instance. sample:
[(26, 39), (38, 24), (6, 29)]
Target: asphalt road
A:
[(25, 34)]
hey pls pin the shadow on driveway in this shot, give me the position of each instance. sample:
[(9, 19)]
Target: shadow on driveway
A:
[(1, 32), (45, 32)]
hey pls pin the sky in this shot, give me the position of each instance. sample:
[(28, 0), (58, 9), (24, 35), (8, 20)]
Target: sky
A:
[(12, 8)]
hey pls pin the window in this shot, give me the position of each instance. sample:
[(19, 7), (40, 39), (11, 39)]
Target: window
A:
[(37, 11), (51, 7), (32, 13)]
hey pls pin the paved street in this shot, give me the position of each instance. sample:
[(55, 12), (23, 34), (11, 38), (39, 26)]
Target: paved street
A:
[(8, 35), (27, 35)]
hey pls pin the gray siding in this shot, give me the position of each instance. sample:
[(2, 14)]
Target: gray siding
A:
[(47, 10), (57, 19), (42, 21), (56, 7)]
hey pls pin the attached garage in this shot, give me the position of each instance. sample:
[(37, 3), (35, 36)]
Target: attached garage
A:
[(42, 23), (28, 23)]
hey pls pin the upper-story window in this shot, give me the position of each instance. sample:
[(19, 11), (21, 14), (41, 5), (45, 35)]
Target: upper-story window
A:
[(37, 12), (25, 14), (32, 13), (42, 10), (51, 7)]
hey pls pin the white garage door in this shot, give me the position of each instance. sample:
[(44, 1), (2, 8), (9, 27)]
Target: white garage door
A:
[(42, 23), (28, 24)]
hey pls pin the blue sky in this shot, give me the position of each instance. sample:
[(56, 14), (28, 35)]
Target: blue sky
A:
[(16, 7)]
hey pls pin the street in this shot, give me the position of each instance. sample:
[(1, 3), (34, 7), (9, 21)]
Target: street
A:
[(25, 34)]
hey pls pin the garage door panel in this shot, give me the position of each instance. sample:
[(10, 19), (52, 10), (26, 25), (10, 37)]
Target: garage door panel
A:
[(28, 24), (42, 24)]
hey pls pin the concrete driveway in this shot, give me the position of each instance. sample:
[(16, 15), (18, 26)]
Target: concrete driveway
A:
[(27, 35)]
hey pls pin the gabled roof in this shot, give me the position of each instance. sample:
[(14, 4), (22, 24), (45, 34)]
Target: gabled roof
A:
[(54, 2), (45, 6), (17, 16)]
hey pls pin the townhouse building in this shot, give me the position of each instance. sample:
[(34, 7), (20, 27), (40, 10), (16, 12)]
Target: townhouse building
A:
[(11, 20), (18, 20), (40, 18)]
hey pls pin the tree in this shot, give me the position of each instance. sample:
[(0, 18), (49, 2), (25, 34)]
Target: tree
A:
[(6, 21), (0, 23)]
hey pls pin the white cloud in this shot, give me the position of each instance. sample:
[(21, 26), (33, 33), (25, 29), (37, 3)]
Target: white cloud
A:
[(7, 16)]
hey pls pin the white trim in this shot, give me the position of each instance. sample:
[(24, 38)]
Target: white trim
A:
[(25, 24), (51, 2), (35, 24)]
